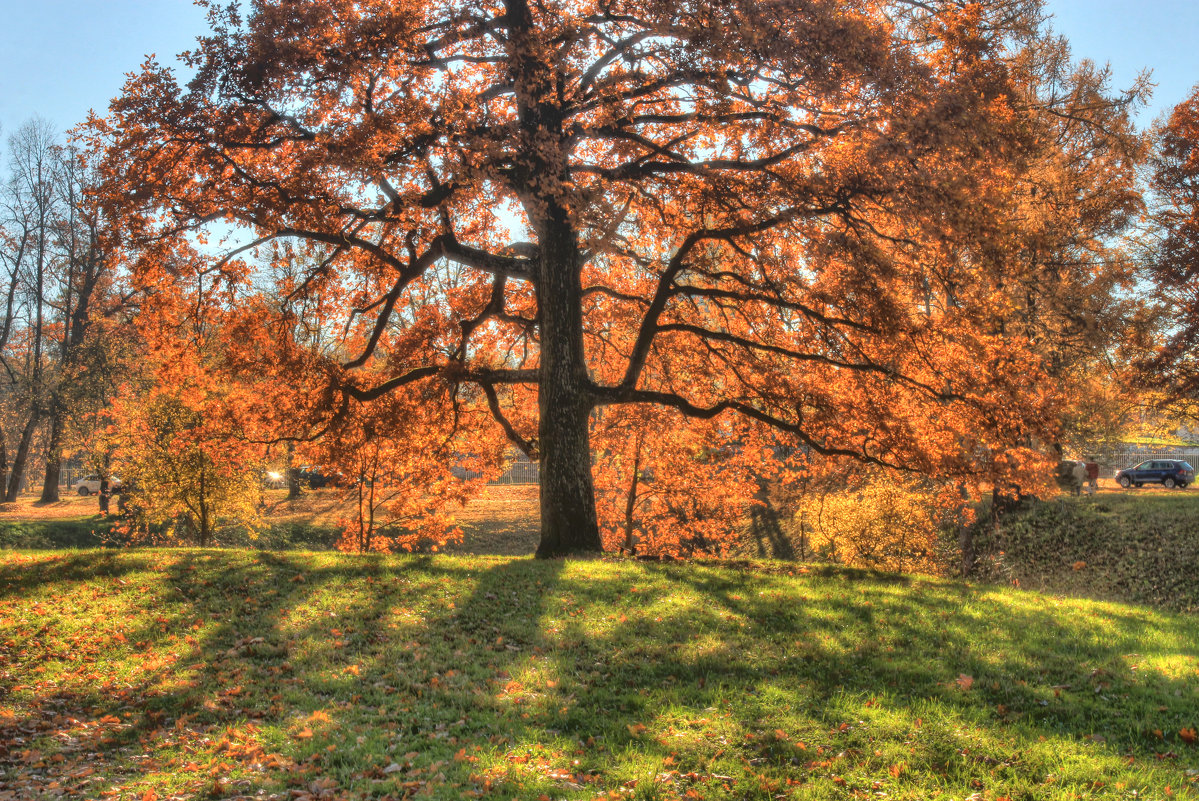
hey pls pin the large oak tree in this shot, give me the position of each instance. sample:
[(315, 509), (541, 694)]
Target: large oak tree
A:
[(779, 213)]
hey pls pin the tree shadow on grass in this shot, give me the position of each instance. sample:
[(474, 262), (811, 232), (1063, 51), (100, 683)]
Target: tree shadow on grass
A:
[(322, 676), (295, 677), (766, 531)]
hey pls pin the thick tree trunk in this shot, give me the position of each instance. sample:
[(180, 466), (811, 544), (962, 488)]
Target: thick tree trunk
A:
[(568, 519), (53, 460), (20, 459), (565, 398)]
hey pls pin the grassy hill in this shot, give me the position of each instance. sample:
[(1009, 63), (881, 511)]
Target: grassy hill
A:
[(198, 674), (1137, 546)]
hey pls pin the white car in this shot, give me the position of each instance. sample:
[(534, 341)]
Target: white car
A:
[(90, 485)]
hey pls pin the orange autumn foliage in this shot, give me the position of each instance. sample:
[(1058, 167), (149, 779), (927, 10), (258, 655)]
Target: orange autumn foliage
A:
[(667, 486), (1173, 264), (395, 472), (675, 238), (179, 437)]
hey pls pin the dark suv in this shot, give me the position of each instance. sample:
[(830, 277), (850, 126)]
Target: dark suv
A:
[(1167, 472)]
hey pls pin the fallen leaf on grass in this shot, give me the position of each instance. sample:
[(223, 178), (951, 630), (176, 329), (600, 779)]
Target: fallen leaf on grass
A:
[(964, 681)]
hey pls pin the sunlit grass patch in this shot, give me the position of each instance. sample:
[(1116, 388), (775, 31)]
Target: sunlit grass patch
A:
[(216, 674)]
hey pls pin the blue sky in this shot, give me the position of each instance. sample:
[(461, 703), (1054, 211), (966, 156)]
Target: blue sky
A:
[(58, 58), (1131, 35)]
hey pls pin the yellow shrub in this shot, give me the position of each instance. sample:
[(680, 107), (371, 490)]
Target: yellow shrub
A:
[(886, 522)]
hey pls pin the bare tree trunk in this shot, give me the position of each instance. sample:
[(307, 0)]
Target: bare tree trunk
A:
[(293, 474), (565, 394), (3, 460), (204, 521), (966, 546), (21, 458), (105, 494), (630, 505)]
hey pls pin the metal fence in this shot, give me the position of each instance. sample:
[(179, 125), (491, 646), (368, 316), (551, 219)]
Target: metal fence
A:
[(521, 472)]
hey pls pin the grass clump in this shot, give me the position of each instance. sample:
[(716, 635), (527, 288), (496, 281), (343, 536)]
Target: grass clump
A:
[(219, 674)]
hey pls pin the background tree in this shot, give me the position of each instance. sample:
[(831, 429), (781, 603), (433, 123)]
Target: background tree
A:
[(184, 480), (402, 496), (91, 315), (31, 213), (733, 208), (670, 486), (58, 261), (1173, 257), (1073, 291)]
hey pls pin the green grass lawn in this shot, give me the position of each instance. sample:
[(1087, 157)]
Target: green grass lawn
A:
[(198, 674)]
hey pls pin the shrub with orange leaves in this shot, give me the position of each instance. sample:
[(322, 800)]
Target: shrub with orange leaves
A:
[(178, 430), (405, 465), (670, 486), (188, 472)]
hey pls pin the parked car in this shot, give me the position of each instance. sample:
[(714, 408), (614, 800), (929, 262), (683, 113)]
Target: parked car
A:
[(1167, 472), (90, 485)]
